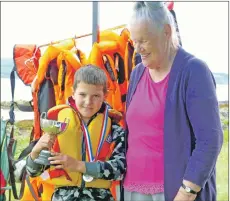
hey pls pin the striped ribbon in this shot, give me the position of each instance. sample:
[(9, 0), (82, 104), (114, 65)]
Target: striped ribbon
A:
[(89, 149)]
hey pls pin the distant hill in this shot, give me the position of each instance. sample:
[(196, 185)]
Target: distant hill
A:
[(7, 65), (221, 78)]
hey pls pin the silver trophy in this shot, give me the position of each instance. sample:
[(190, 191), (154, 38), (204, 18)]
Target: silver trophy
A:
[(51, 127)]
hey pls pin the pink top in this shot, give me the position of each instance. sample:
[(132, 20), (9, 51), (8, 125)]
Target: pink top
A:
[(145, 119)]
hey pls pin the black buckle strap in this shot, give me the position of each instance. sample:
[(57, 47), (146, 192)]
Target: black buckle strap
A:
[(12, 163), (26, 107)]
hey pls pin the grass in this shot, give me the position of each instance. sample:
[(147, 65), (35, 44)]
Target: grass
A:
[(222, 171), (22, 135)]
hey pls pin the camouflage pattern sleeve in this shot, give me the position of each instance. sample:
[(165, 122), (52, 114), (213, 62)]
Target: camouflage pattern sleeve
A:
[(34, 169), (115, 167)]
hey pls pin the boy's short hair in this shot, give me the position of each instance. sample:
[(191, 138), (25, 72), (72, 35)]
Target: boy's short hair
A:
[(90, 74)]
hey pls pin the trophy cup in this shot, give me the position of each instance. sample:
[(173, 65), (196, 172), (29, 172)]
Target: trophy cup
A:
[(52, 127)]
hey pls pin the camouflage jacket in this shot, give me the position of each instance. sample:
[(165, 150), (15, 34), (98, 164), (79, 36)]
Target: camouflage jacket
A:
[(113, 169)]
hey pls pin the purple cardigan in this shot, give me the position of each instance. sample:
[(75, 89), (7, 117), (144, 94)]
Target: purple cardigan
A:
[(193, 136)]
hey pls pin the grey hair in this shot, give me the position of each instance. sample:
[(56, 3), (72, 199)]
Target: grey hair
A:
[(157, 15), (90, 74)]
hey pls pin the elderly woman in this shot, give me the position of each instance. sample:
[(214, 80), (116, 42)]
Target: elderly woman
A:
[(174, 128)]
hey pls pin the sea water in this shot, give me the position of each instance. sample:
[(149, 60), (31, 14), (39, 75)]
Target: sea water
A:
[(23, 92)]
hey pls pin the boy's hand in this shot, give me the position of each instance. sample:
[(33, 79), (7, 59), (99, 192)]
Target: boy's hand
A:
[(45, 142), (67, 162)]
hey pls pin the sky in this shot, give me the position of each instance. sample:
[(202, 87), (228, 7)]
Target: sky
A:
[(203, 25)]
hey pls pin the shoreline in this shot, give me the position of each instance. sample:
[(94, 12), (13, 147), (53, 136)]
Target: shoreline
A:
[(6, 104), (22, 115), (18, 114)]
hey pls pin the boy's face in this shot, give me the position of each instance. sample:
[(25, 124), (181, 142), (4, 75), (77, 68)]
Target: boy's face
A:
[(88, 99)]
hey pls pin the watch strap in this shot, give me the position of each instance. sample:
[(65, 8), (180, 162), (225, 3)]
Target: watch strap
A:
[(188, 189)]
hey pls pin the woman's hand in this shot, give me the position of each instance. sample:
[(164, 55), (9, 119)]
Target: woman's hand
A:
[(67, 162), (45, 142), (182, 195)]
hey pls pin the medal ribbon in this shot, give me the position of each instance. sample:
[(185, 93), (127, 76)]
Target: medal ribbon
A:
[(89, 149)]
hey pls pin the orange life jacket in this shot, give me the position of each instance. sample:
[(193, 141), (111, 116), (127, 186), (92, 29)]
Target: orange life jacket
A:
[(68, 62), (112, 46), (26, 59), (62, 177)]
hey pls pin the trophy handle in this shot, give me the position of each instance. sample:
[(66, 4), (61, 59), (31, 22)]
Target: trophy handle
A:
[(66, 123), (43, 115), (66, 120)]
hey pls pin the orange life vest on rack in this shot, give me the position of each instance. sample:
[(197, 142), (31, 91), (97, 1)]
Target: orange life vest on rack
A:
[(26, 59), (59, 62), (68, 62), (114, 95), (49, 55), (112, 47)]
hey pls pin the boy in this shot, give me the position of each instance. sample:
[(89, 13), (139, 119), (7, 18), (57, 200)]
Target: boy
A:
[(90, 154)]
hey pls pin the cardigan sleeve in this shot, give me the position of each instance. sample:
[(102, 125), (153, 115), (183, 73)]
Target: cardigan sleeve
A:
[(203, 113)]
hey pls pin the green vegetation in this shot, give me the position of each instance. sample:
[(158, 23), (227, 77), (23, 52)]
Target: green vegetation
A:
[(22, 134), (222, 176)]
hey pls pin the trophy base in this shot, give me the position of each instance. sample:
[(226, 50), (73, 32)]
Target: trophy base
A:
[(43, 158)]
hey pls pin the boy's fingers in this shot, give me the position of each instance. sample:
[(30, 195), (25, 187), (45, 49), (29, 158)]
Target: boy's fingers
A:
[(55, 158), (55, 162), (55, 153), (50, 144), (59, 167), (51, 158), (44, 144), (52, 137)]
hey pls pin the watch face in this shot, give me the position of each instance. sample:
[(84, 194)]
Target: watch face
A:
[(187, 189)]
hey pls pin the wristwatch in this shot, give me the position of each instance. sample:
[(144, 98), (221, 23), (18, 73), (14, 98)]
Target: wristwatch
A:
[(188, 189)]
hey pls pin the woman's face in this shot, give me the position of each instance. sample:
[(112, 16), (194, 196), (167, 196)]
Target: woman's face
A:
[(146, 43)]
